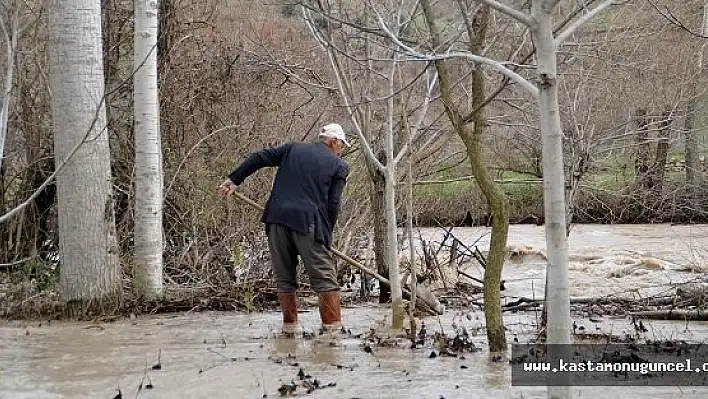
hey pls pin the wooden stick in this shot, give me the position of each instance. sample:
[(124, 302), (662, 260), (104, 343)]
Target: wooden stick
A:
[(340, 254)]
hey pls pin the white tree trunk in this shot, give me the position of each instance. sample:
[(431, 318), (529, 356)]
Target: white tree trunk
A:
[(89, 271), (703, 80), (10, 34), (394, 275), (409, 232), (696, 118), (557, 296), (148, 155)]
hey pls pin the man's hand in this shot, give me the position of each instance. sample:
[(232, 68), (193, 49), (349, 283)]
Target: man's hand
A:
[(227, 188)]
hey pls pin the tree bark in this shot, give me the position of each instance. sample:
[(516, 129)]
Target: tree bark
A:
[(397, 309), (377, 188), (662, 152), (148, 155), (89, 271), (696, 115), (557, 295), (10, 33), (167, 31), (641, 168), (411, 242), (392, 249), (472, 136), (691, 144)]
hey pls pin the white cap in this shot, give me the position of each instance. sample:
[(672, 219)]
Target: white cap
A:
[(335, 131)]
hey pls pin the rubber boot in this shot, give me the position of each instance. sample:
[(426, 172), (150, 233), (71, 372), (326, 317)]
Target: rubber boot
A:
[(330, 311), (288, 305)]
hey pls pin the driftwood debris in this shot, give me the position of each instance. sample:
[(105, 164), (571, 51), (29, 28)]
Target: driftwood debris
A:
[(673, 314)]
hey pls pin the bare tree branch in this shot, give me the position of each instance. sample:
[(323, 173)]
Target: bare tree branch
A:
[(345, 92), (560, 38), (496, 65), (415, 128), (674, 20), (549, 5), (194, 147), (510, 11)]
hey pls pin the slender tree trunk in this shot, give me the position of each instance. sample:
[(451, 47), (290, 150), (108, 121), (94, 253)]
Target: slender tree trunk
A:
[(643, 145), (378, 203), (496, 198), (392, 249), (148, 154), (89, 271), (397, 309), (472, 136), (662, 152), (557, 296), (694, 131), (411, 241), (691, 144), (390, 200), (10, 33)]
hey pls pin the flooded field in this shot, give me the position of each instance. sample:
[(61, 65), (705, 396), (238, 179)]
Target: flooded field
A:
[(220, 355), (234, 355)]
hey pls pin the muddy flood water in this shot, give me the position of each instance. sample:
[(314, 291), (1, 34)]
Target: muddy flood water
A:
[(237, 355)]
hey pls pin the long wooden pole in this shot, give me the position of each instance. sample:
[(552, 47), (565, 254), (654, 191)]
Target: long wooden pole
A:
[(337, 252)]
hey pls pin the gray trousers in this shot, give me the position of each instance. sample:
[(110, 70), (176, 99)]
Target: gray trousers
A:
[(285, 245)]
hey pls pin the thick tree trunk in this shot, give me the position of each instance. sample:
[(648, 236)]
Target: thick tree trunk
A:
[(557, 295), (148, 155), (89, 277)]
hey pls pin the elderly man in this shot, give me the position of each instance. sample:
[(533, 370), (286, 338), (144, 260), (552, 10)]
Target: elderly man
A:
[(299, 217)]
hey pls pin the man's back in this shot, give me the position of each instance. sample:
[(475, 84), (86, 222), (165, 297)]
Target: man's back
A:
[(307, 189)]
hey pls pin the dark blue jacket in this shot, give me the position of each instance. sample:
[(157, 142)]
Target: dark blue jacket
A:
[(307, 189)]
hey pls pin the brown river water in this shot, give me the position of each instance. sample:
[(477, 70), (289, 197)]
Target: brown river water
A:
[(237, 355)]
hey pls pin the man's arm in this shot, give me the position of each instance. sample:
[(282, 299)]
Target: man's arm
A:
[(268, 157), (335, 192)]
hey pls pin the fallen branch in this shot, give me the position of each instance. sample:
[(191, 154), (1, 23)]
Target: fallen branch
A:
[(522, 303), (501, 285), (15, 263), (467, 178), (520, 307), (694, 315)]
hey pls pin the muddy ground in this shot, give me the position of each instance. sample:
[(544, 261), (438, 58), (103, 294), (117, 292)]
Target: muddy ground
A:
[(240, 355)]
